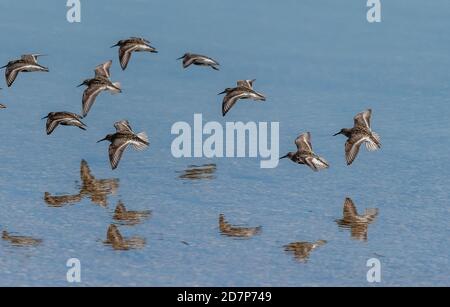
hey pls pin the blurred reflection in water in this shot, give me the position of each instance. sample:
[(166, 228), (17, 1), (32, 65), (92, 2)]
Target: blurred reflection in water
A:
[(227, 229), (358, 224), (122, 215), (96, 189), (60, 200), (195, 172), (301, 250), (20, 240), (116, 241)]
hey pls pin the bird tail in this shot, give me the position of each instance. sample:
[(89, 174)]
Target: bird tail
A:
[(144, 141), (117, 88)]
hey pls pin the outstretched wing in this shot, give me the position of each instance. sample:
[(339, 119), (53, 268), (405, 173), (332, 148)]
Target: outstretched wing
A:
[(115, 151), (363, 119), (303, 142), (246, 83), (102, 70), (89, 96), (125, 54), (352, 147), (123, 126), (230, 99)]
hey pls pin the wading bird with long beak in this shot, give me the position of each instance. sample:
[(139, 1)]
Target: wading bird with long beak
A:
[(198, 59), (243, 90), (26, 63), (101, 82), (132, 44), (360, 133), (305, 154), (63, 118), (120, 140)]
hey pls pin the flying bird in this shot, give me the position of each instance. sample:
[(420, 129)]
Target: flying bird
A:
[(101, 82), (133, 44), (120, 140), (359, 134), (305, 154), (243, 90), (27, 63), (63, 118), (200, 60)]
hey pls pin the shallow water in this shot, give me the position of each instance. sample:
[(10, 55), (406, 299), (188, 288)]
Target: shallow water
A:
[(318, 62)]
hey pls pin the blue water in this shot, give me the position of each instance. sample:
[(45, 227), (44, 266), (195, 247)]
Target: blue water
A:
[(318, 62)]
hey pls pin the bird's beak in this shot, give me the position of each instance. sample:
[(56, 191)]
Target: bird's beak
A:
[(181, 58), (222, 92), (104, 139), (114, 45), (337, 133), (3, 66), (44, 117), (284, 156)]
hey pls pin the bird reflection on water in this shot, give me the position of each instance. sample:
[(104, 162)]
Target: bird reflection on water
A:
[(358, 224), (302, 250), (198, 172), (96, 189), (129, 217), (115, 239), (20, 240), (229, 230)]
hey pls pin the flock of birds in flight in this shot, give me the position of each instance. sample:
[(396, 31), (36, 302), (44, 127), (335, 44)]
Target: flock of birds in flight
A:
[(124, 136)]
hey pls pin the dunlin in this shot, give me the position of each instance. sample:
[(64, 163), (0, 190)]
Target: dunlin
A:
[(27, 63), (133, 44), (63, 118), (120, 140), (360, 133), (305, 154), (200, 60), (243, 90), (96, 85)]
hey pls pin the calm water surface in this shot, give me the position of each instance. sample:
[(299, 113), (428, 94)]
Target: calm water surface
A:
[(226, 222)]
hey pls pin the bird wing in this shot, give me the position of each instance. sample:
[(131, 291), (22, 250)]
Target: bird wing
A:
[(349, 209), (246, 83), (89, 96), (102, 70), (11, 72), (123, 126), (125, 54), (303, 142), (30, 58), (116, 150), (52, 124), (188, 60), (352, 147), (230, 99), (363, 119), (316, 163)]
